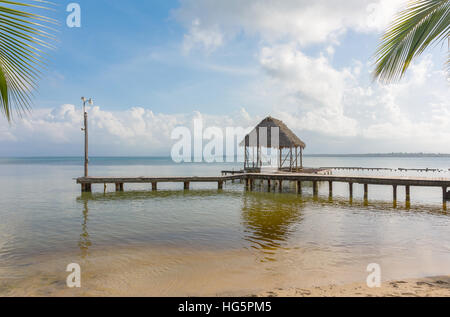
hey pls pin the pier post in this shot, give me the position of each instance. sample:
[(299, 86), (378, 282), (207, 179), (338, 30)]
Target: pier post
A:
[(299, 187), (268, 185), (117, 187), (444, 197), (350, 190), (251, 183), (154, 186), (408, 196), (220, 185), (280, 185), (86, 188), (366, 193), (315, 189), (394, 194), (330, 189), (186, 185)]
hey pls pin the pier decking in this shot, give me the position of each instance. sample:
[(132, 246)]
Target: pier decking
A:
[(280, 177)]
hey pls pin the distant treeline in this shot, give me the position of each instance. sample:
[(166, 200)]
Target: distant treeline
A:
[(382, 155)]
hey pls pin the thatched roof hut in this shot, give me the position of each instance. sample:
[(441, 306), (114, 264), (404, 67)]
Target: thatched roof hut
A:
[(287, 144), (287, 138)]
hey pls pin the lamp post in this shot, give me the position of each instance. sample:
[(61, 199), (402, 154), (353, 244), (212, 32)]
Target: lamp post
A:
[(85, 129)]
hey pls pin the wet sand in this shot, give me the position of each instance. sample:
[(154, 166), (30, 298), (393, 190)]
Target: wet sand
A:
[(143, 271), (438, 286)]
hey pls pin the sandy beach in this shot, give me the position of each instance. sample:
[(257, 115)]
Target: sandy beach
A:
[(438, 286)]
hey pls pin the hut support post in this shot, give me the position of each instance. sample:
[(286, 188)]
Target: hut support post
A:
[(291, 163), (301, 157)]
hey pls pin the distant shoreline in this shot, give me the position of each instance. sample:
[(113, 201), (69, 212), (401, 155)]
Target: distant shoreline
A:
[(392, 155), (400, 155)]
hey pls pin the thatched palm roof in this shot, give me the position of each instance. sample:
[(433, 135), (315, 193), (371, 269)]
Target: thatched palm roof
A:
[(287, 137)]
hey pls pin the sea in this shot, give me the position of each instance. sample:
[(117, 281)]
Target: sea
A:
[(206, 242)]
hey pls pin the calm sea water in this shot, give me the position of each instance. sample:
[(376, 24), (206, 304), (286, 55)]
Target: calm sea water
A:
[(206, 242)]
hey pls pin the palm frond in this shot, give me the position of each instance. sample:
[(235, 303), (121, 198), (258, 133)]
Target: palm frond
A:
[(420, 24), (25, 36)]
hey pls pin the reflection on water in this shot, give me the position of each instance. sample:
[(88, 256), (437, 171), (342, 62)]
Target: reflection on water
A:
[(85, 241), (268, 222)]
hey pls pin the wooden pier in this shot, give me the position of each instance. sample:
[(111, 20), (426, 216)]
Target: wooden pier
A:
[(279, 178)]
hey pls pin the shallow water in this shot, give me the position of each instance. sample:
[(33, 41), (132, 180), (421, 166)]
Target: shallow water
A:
[(206, 242)]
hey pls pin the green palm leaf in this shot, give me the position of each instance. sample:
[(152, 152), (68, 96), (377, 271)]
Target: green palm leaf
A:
[(24, 38), (422, 23)]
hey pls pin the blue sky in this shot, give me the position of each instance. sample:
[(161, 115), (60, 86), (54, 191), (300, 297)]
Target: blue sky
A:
[(155, 65)]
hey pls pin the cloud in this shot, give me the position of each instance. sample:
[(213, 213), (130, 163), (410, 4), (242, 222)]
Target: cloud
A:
[(136, 131), (306, 22), (340, 105)]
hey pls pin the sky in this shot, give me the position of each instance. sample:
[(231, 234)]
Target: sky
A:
[(152, 66)]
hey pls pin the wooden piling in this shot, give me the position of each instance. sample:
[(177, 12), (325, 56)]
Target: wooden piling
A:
[(186, 185), (154, 186), (408, 196), (444, 197), (350, 190), (280, 185), (220, 185), (330, 189), (299, 187), (315, 189), (366, 192), (394, 195)]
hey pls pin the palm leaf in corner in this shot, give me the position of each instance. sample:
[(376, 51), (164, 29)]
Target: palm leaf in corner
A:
[(422, 23), (24, 37)]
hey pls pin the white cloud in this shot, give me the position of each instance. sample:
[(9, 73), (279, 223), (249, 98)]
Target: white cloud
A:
[(136, 131), (306, 22), (208, 39)]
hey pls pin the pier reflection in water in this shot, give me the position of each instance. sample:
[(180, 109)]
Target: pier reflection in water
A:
[(268, 222), (84, 242)]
